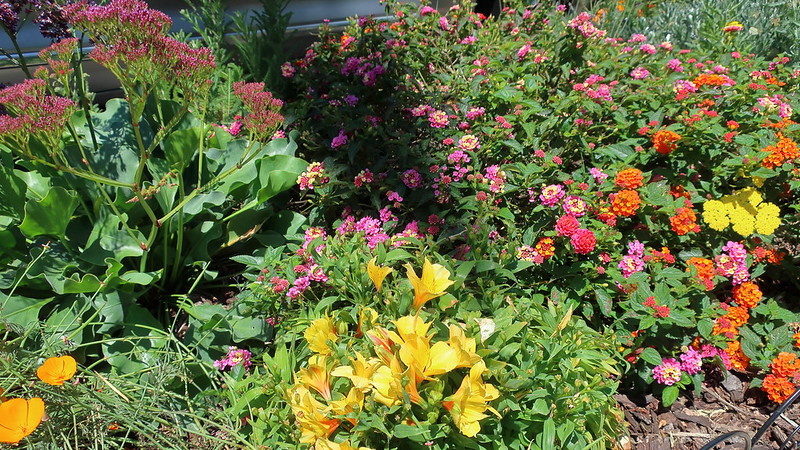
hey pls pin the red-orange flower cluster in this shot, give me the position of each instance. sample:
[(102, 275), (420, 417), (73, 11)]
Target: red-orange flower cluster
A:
[(778, 385), (625, 203), (705, 271), (747, 294), (785, 150), (738, 359), (709, 79), (629, 179), (785, 364), (684, 221), (545, 247), (769, 255), (664, 141)]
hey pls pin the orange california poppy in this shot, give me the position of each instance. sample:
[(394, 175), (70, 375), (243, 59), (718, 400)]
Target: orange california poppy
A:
[(19, 417), (56, 370)]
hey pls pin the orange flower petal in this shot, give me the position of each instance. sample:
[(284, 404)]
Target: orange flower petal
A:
[(19, 417), (55, 371)]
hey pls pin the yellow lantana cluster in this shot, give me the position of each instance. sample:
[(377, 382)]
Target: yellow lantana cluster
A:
[(745, 211)]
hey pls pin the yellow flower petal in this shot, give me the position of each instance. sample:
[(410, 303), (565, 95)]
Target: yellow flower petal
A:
[(377, 273)]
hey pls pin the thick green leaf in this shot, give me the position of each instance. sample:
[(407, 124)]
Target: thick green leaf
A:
[(669, 395), (51, 215), (180, 147), (22, 311), (651, 355), (12, 191)]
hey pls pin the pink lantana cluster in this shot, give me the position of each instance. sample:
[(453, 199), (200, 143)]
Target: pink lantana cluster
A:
[(690, 361), (411, 178), (732, 263), (313, 177), (574, 206), (583, 24), (632, 262), (235, 357), (496, 178), (595, 90), (551, 195), (438, 119)]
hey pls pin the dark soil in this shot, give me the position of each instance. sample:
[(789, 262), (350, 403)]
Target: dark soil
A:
[(692, 422)]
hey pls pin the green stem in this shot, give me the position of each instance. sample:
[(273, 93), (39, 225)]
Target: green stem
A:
[(179, 231), (21, 61)]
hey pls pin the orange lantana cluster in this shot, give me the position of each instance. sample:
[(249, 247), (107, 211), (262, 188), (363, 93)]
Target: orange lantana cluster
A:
[(710, 79), (785, 150), (664, 141), (738, 359), (705, 271), (746, 295), (769, 255), (779, 384), (629, 179), (684, 221), (625, 203)]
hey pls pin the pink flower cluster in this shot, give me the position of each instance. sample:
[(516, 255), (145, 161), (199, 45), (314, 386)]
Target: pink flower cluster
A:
[(235, 357), (732, 263), (671, 370), (33, 112), (264, 117), (551, 195), (411, 178), (340, 140), (313, 177), (496, 178), (594, 89), (632, 262), (583, 24)]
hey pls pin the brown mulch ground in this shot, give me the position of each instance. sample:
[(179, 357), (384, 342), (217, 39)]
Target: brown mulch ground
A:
[(691, 422)]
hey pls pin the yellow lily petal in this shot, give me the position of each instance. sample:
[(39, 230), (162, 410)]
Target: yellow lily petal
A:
[(434, 281), (377, 273), (319, 333)]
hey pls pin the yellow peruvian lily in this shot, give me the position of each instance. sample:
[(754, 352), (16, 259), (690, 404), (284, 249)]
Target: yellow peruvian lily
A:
[(408, 326), (377, 273), (434, 281), (316, 376), (387, 382), (468, 404), (464, 346), (425, 360), (353, 402), (359, 372), (309, 415), (366, 318), (319, 333)]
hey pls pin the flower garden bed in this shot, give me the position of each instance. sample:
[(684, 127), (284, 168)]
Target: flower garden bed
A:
[(450, 231)]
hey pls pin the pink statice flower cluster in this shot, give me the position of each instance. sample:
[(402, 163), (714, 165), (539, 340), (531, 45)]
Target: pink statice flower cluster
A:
[(33, 112), (235, 357), (313, 177)]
